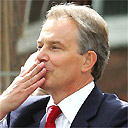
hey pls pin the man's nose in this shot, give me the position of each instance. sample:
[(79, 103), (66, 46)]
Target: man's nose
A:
[(42, 56)]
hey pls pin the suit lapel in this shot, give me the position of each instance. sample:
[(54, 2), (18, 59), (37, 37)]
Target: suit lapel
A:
[(88, 109), (40, 116)]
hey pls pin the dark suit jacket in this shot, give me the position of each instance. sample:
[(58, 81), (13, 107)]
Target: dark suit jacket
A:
[(98, 110)]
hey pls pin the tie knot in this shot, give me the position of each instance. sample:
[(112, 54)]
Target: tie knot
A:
[(53, 113)]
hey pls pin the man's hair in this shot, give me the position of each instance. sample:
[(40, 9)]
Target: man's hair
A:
[(92, 29)]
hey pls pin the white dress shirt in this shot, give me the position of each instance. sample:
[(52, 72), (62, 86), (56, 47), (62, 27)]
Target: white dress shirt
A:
[(71, 105)]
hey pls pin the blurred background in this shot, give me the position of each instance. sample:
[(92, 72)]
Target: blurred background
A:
[(20, 25)]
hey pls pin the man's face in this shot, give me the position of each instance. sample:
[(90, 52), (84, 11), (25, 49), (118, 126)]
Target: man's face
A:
[(57, 47)]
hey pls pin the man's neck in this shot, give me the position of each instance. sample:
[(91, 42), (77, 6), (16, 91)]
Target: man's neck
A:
[(59, 95)]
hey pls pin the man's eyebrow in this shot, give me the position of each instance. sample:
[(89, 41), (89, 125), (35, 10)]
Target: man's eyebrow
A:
[(54, 42), (50, 42)]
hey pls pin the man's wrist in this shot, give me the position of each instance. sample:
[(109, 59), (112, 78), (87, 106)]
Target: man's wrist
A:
[(3, 112), (2, 115)]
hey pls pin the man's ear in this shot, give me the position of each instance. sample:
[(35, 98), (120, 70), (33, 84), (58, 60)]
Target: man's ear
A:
[(89, 59)]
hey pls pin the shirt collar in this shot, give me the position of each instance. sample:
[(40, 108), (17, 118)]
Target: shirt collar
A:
[(71, 104)]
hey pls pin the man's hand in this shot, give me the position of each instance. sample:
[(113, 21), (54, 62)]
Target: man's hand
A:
[(22, 87)]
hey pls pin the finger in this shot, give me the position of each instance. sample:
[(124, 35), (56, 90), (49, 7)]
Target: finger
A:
[(36, 78), (30, 69), (32, 58), (35, 71), (33, 87), (34, 65)]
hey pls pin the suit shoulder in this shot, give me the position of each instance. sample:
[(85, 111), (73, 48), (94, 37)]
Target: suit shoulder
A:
[(115, 109), (112, 101)]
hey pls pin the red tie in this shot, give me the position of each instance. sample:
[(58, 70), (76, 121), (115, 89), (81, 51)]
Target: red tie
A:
[(53, 113)]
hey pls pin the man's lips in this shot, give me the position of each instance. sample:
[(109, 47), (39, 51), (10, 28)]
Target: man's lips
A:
[(49, 70)]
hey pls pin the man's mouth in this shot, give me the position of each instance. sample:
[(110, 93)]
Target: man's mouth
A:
[(48, 69)]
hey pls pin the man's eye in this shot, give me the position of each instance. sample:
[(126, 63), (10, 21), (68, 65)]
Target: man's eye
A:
[(55, 47)]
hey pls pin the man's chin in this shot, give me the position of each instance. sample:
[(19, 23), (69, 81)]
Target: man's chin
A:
[(44, 86)]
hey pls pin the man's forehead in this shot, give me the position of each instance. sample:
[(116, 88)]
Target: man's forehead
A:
[(63, 32), (45, 35), (48, 38)]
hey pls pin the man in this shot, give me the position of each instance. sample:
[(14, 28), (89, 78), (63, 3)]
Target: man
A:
[(72, 53)]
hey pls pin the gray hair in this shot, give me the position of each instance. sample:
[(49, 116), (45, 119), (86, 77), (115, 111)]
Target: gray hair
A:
[(92, 29)]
